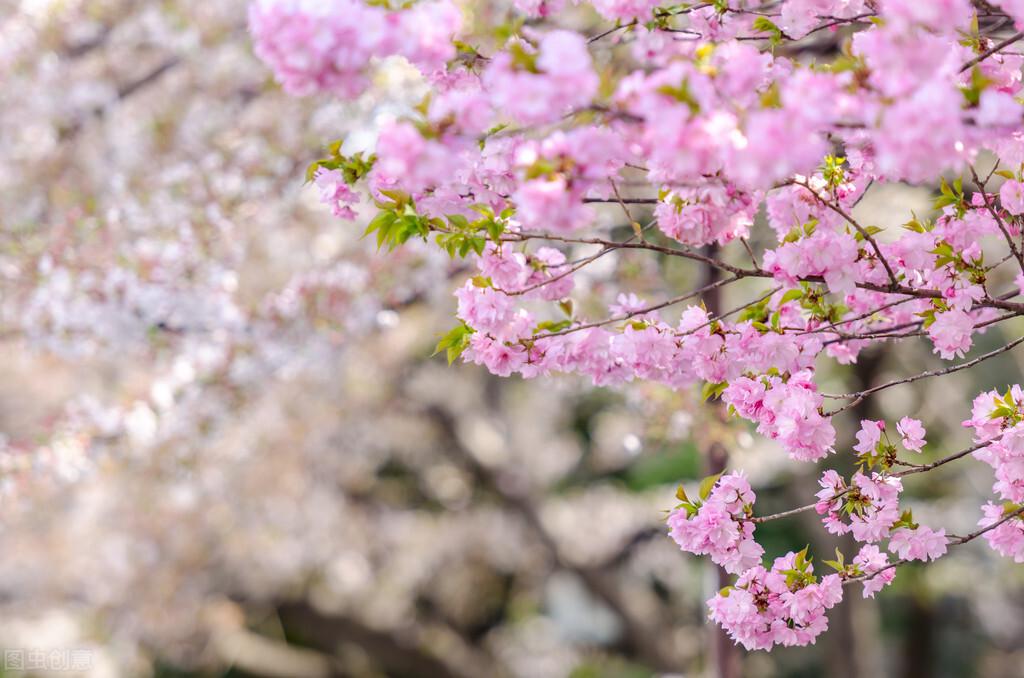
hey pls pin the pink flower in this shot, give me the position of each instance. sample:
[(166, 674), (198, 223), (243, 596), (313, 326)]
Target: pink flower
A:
[(937, 15), (790, 415), (719, 528), (500, 358), (1006, 456), (871, 560), (702, 217), (420, 164), (427, 28), (912, 432), (764, 609), (625, 9), (551, 204), (951, 333), (918, 129), (747, 396), (921, 543), (565, 80), (775, 144), (876, 508), (986, 426), (800, 16), (1008, 538), (336, 193), (483, 308), (1011, 195), (868, 436), (314, 47), (998, 108)]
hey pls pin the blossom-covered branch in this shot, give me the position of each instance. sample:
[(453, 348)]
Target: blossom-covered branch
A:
[(709, 122)]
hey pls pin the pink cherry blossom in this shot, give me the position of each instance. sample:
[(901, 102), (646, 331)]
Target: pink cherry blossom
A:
[(1011, 195), (1008, 538), (336, 193), (912, 433), (761, 610), (868, 436), (875, 564), (951, 333), (719, 527), (565, 80), (921, 543)]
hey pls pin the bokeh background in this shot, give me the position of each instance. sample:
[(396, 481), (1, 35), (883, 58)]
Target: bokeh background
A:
[(227, 450)]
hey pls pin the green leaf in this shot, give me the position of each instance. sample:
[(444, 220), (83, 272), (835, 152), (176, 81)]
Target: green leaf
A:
[(681, 494), (791, 295), (382, 220), (711, 390), (707, 485), (764, 25), (553, 326), (682, 94), (494, 230), (455, 342), (400, 198), (458, 221), (800, 562)]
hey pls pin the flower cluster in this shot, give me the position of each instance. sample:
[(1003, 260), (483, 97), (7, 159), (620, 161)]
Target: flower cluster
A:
[(998, 423), (318, 46), (1006, 538), (870, 502), (874, 565), (785, 605), (718, 525)]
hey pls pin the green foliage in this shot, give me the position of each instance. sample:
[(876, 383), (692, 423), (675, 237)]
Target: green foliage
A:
[(398, 221), (800, 574), (455, 342), (918, 226), (713, 391), (707, 485), (814, 301), (682, 94), (522, 59), (833, 171), (1006, 408), (353, 167), (764, 25), (952, 195), (972, 90), (798, 232), (553, 326), (839, 564), (395, 227), (461, 236), (906, 520), (861, 236)]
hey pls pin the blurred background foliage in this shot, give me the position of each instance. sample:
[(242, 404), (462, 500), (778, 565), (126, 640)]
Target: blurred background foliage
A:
[(294, 486)]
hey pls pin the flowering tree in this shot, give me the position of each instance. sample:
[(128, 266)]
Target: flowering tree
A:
[(737, 137)]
